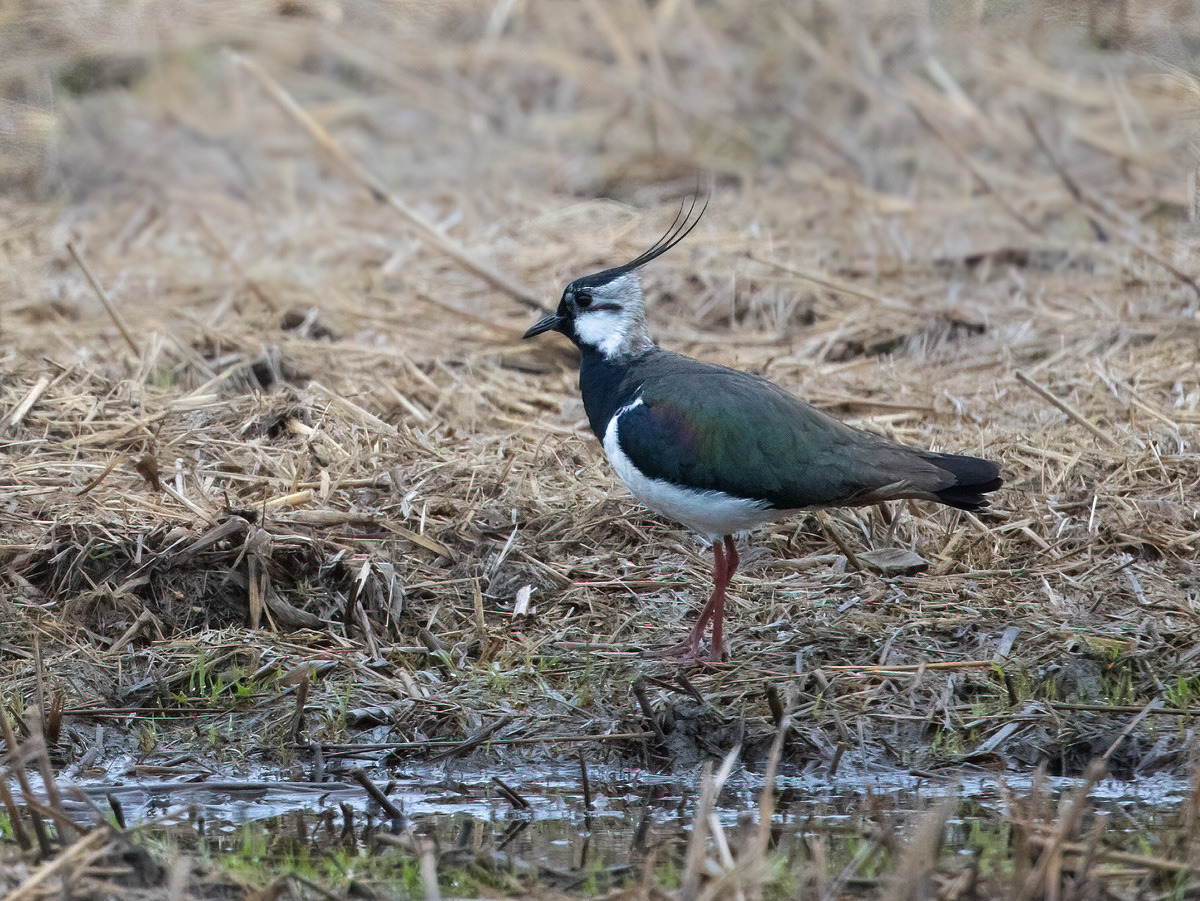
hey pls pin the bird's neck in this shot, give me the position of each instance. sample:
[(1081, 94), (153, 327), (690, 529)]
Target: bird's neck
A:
[(606, 385), (617, 343), (634, 342)]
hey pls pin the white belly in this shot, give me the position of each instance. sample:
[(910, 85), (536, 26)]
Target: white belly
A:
[(713, 514)]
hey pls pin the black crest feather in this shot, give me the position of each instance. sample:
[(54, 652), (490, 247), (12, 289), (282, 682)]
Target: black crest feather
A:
[(685, 220)]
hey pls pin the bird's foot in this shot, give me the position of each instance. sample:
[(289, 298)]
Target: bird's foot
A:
[(686, 651)]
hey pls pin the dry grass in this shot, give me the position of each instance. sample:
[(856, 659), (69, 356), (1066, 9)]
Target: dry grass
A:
[(302, 443)]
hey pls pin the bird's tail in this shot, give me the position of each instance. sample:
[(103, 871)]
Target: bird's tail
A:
[(974, 478)]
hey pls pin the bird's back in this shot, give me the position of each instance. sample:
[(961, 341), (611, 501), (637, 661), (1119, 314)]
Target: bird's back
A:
[(708, 427)]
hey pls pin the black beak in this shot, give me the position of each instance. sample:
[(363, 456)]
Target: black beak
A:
[(552, 323)]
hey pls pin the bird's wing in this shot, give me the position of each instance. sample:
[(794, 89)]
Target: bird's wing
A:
[(708, 427)]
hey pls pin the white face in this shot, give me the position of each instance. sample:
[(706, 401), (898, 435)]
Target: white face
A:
[(614, 316)]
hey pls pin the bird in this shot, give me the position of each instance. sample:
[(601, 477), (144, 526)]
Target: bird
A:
[(723, 451)]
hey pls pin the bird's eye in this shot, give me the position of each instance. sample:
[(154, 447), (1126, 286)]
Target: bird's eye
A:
[(583, 299)]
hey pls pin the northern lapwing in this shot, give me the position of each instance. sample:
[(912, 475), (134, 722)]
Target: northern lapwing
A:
[(721, 450)]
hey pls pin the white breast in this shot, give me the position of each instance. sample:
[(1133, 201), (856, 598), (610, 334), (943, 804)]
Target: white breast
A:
[(713, 514)]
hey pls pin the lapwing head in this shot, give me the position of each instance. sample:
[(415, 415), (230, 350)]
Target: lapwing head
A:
[(605, 311)]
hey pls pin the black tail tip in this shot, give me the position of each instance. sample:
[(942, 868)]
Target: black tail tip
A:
[(974, 479)]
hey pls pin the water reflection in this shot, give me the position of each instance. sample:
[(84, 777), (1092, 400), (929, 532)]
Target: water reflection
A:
[(631, 812)]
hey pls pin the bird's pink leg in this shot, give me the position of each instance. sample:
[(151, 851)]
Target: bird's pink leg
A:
[(725, 561), (722, 572)]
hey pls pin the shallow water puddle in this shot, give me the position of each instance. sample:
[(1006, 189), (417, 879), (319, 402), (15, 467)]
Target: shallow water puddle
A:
[(631, 810)]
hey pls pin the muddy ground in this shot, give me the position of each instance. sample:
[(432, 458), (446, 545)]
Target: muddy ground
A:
[(280, 482)]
